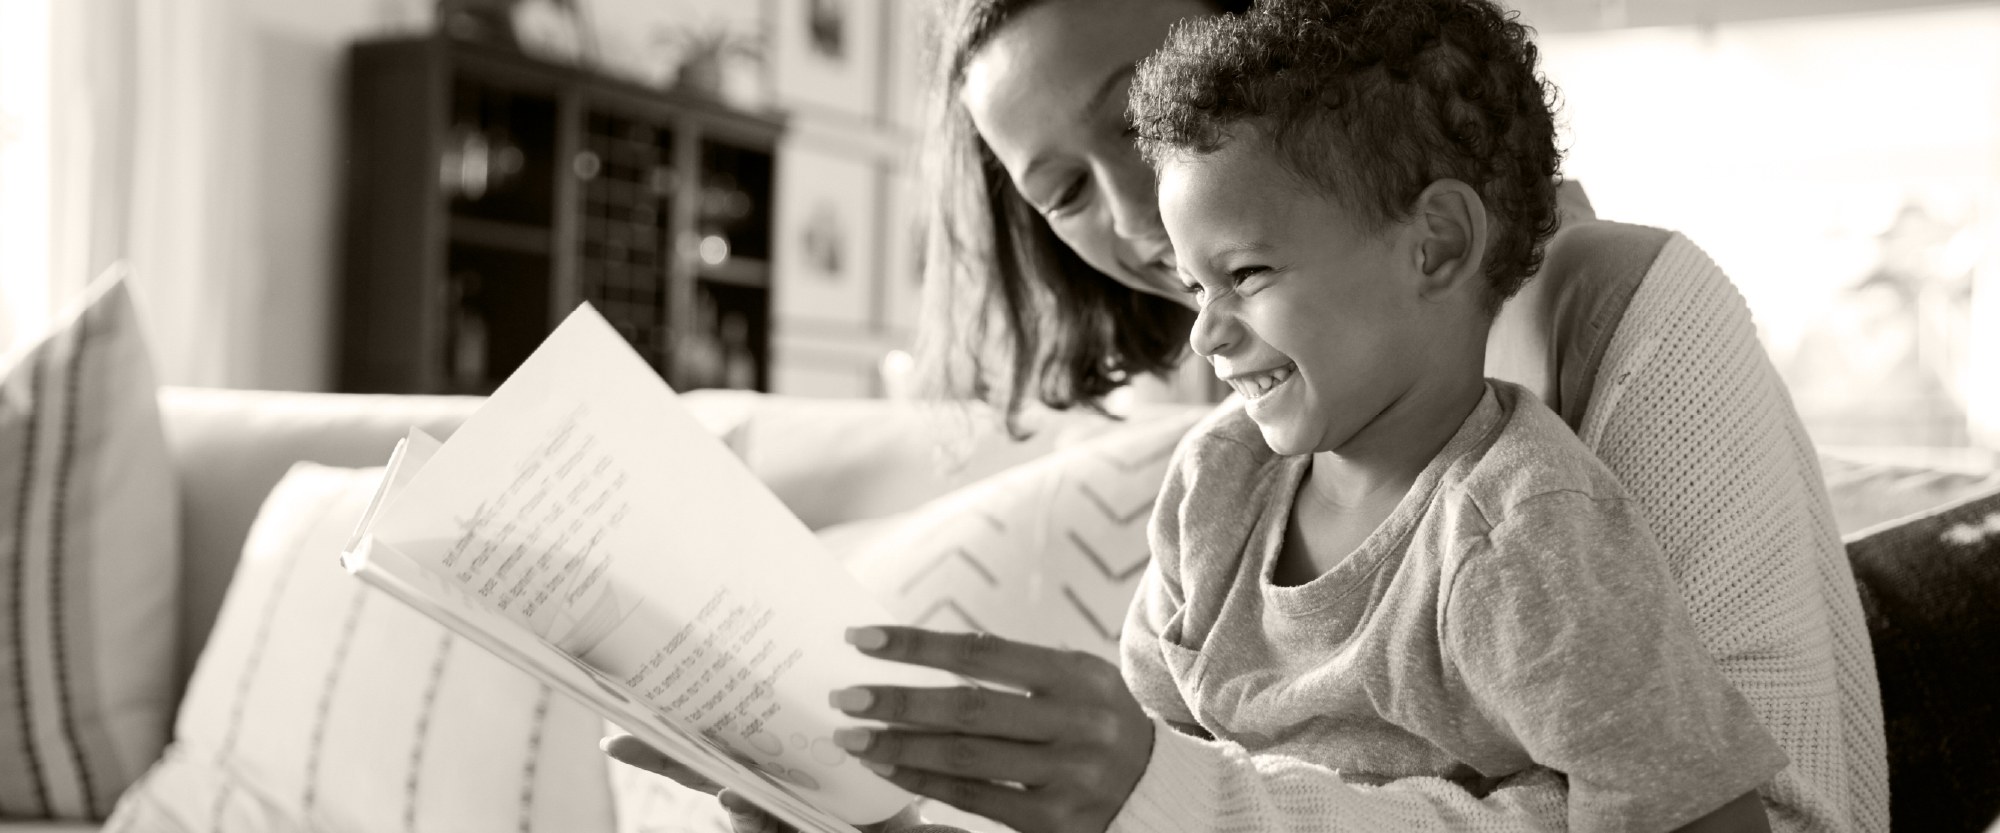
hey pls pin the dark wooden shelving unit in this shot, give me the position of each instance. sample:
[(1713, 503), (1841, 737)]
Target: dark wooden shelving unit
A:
[(488, 193)]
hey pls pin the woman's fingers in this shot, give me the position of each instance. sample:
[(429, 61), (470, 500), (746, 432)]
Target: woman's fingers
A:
[(1007, 805), (745, 817), (634, 752), (985, 759), (964, 709), (981, 656), (1063, 756)]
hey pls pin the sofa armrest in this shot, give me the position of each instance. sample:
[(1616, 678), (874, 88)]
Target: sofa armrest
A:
[(231, 446)]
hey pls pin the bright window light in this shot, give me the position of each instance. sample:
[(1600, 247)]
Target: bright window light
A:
[(25, 35)]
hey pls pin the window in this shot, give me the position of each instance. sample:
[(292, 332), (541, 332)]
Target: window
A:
[(1843, 171), (25, 205)]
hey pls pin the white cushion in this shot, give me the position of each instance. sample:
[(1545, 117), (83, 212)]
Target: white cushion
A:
[(321, 704)]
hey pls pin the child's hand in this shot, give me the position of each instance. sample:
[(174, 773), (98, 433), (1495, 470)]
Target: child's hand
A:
[(1062, 757)]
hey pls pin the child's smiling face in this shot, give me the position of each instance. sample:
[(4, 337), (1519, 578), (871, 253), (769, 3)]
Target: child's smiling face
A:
[(1314, 317)]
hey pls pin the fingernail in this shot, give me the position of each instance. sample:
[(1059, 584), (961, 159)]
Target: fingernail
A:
[(883, 770), (851, 699), (853, 739), (867, 639)]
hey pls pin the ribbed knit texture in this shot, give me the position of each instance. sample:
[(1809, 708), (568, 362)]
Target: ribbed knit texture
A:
[(1689, 413), (1694, 420)]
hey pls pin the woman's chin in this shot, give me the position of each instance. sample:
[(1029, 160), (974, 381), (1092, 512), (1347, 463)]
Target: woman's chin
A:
[(1172, 292), (1156, 282)]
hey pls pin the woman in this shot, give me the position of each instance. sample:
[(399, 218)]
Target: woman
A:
[(1049, 262), (1052, 277)]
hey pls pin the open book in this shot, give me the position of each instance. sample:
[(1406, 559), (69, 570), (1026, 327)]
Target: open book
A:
[(583, 526)]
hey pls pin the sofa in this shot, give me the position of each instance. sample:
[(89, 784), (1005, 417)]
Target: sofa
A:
[(231, 447)]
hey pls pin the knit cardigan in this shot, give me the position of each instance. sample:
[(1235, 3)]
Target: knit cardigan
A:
[(1662, 376)]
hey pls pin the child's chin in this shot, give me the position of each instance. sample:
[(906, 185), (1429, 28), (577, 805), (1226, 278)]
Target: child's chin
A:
[(1284, 440)]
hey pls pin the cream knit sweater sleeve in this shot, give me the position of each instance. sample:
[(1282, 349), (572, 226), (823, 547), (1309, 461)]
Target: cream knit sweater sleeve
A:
[(1691, 416)]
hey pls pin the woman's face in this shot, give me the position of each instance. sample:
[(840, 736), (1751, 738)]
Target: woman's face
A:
[(1047, 93)]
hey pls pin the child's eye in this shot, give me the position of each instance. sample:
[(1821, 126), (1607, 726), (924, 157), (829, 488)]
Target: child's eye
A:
[(1238, 276)]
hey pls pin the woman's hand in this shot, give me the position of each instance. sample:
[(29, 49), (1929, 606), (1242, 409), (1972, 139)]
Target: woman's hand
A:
[(744, 817), (1062, 755)]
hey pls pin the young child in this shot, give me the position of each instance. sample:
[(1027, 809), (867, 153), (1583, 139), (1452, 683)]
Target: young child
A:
[(1382, 564)]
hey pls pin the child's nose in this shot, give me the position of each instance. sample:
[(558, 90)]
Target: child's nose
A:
[(1214, 332)]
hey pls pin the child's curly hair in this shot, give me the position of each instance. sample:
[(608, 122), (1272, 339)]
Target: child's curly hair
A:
[(1371, 101)]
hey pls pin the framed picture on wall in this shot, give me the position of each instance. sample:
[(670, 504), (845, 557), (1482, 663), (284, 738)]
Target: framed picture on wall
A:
[(828, 233), (827, 55)]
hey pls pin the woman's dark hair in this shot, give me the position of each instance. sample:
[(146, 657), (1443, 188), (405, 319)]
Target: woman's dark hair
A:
[(1010, 311), (1370, 101)]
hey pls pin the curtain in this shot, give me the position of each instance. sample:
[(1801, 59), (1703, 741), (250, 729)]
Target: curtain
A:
[(185, 204), (116, 149), (65, 153), (26, 41)]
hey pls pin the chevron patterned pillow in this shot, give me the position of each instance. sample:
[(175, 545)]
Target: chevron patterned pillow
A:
[(1048, 552)]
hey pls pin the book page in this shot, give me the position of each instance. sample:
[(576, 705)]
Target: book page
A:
[(584, 503), (412, 452)]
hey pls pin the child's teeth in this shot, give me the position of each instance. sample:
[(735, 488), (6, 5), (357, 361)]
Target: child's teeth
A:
[(1256, 386)]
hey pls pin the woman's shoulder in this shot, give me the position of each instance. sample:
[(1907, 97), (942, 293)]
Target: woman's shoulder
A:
[(1592, 271)]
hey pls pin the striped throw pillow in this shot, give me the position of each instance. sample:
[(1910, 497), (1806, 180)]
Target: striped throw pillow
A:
[(88, 565), (321, 704)]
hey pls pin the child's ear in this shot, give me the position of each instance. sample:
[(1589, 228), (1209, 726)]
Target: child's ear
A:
[(1450, 222)]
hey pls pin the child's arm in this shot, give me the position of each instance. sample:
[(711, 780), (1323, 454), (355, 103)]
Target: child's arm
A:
[(1565, 627)]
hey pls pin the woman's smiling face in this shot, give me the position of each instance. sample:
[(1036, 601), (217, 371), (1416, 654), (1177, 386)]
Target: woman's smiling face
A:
[(1048, 94)]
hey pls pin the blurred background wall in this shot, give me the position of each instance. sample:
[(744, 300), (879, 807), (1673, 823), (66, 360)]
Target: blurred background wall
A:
[(1841, 158)]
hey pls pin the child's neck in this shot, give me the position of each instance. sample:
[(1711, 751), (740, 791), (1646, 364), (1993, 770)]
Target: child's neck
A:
[(1391, 451), (1351, 490)]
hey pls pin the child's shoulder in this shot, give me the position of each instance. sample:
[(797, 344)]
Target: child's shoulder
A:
[(1217, 457), (1226, 438), (1534, 455)]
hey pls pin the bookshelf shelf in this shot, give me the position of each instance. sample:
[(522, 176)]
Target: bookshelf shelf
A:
[(490, 192)]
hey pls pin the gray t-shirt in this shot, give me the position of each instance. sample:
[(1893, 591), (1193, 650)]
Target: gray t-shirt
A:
[(1513, 612)]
